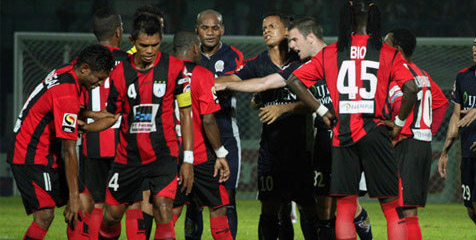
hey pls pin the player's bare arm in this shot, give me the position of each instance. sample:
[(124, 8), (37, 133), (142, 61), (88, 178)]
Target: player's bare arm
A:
[(270, 113), (186, 170), (307, 98), (228, 78), (271, 81), (210, 127), (451, 136), (100, 124), (468, 118), (71, 170), (95, 115), (408, 101)]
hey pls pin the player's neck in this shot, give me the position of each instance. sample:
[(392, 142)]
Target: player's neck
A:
[(209, 51), (140, 65), (279, 54), (109, 43), (360, 25)]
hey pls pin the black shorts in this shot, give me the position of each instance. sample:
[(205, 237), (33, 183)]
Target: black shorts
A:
[(468, 179), (414, 162), (206, 191), (124, 182), (373, 154), (232, 145), (95, 174), (40, 186), (322, 161)]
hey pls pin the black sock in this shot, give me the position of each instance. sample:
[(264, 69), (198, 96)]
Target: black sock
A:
[(268, 227), (362, 226), (326, 230), (193, 223), (232, 218), (148, 219), (286, 229), (309, 227)]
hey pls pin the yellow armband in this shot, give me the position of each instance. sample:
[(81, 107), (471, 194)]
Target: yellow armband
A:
[(132, 50), (184, 99)]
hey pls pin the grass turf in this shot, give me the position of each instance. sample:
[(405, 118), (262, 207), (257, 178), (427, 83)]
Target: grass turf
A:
[(438, 221)]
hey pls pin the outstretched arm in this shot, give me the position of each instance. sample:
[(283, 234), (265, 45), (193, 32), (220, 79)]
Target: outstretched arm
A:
[(270, 113), (271, 81), (228, 78)]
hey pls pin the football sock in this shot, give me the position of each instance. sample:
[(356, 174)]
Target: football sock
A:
[(164, 231), (396, 226), (286, 229), (148, 219), (35, 232), (81, 230), (220, 228), (346, 206), (362, 226), (232, 218), (95, 223), (193, 223), (413, 228), (326, 231), (268, 227), (135, 228), (110, 233), (309, 227)]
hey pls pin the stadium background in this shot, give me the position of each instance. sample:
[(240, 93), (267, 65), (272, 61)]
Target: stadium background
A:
[(27, 57)]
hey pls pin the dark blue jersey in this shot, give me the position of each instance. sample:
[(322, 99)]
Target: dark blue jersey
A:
[(224, 62), (464, 94), (319, 89)]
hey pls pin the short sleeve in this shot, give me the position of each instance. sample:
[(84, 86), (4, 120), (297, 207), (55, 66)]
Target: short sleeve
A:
[(395, 93), (438, 98), (311, 71), (456, 95), (400, 72), (286, 72), (116, 93), (65, 102), (208, 100), (182, 90), (248, 71)]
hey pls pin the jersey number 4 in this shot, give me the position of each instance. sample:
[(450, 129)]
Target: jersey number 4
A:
[(113, 183), (348, 71)]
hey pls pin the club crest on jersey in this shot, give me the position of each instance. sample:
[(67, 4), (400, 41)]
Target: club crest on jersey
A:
[(159, 88), (219, 66), (69, 122)]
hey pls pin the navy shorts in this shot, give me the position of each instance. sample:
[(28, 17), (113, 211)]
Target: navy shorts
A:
[(322, 161), (468, 180), (232, 145)]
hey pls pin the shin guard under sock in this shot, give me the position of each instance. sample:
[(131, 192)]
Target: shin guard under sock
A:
[(232, 218), (286, 229), (220, 228), (135, 228), (35, 232), (268, 227), (164, 231), (325, 230), (396, 226), (413, 228), (345, 229), (362, 225), (193, 223)]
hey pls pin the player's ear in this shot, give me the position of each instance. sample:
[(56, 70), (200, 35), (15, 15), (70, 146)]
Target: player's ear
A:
[(222, 29), (84, 69), (196, 29)]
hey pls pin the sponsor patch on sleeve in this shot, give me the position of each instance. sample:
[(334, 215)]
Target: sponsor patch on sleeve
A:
[(69, 122)]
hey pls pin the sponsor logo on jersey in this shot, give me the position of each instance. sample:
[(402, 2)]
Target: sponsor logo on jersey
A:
[(349, 107), (69, 122), (159, 88), (219, 66), (144, 118)]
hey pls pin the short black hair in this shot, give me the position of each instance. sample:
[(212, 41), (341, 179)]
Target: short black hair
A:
[(146, 24), (184, 40), (404, 38), (150, 10), (105, 23), (285, 18), (98, 57), (307, 25)]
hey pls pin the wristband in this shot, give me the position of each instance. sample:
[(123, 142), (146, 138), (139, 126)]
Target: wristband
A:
[(221, 152), (399, 122), (321, 110), (188, 156)]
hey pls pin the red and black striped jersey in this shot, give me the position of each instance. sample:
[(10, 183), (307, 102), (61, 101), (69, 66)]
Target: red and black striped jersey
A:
[(204, 101), (145, 100), (358, 79), (429, 97), (102, 144), (49, 114)]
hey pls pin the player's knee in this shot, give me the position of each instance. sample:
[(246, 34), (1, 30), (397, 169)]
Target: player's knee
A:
[(112, 215), (44, 217), (218, 212), (163, 210)]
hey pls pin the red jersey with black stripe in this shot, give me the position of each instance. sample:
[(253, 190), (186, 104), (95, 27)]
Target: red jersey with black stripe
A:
[(204, 101), (102, 144), (49, 114), (418, 124), (358, 79), (145, 100)]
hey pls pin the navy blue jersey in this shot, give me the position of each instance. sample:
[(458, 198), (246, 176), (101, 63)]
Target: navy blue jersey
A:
[(464, 94), (319, 90), (224, 62)]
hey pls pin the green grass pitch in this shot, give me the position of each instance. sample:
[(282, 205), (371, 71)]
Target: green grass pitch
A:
[(438, 221)]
